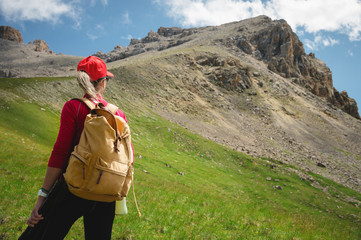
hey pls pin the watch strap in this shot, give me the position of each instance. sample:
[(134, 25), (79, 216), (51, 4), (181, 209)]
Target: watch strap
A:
[(42, 192)]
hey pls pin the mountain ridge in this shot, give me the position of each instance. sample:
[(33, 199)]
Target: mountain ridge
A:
[(273, 42)]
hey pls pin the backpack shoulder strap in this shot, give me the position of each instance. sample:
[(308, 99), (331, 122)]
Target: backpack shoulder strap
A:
[(87, 102), (112, 108)]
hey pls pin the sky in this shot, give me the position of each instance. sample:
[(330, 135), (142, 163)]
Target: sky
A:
[(329, 28)]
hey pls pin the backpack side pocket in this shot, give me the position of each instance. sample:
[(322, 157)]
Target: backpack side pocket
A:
[(108, 178), (76, 171)]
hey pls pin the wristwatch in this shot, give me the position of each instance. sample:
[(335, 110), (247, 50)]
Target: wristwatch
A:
[(43, 193)]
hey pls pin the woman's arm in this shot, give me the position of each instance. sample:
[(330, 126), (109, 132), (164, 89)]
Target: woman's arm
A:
[(59, 156), (52, 174)]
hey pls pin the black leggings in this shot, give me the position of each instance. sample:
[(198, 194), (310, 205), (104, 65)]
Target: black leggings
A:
[(98, 218)]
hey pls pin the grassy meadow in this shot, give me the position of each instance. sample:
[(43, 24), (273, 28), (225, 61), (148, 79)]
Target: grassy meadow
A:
[(187, 187)]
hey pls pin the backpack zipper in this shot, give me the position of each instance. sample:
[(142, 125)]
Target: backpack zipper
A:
[(100, 175)]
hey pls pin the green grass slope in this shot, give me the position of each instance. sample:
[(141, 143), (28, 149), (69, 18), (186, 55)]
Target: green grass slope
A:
[(187, 187)]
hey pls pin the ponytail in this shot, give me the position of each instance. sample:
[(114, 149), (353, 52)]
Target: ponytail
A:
[(91, 88)]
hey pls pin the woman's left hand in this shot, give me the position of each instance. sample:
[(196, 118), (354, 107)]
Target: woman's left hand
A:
[(35, 217)]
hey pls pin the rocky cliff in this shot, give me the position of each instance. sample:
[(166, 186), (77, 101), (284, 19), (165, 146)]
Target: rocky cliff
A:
[(277, 45)]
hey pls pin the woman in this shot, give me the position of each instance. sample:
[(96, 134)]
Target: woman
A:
[(98, 216)]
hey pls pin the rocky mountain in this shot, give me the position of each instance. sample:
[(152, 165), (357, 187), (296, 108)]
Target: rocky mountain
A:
[(272, 42), (248, 85)]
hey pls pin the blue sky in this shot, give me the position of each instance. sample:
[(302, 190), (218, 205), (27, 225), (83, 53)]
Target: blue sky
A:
[(329, 28)]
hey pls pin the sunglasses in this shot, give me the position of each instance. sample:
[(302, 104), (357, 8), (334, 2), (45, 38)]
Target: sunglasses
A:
[(106, 78)]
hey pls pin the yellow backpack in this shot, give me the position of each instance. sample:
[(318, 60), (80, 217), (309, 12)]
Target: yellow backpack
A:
[(100, 167)]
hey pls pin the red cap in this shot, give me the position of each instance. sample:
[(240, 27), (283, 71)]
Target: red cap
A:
[(94, 67)]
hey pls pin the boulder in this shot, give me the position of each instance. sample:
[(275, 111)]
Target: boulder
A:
[(245, 46), (40, 46), (227, 73), (152, 37), (346, 103), (167, 32)]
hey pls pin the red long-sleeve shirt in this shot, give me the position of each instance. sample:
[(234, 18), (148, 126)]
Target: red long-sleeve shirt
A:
[(71, 126)]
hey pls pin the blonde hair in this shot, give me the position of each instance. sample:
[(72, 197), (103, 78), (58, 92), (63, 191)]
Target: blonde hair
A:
[(92, 88)]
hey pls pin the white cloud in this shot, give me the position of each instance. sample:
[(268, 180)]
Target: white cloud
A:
[(94, 2), (36, 10), (329, 42), (350, 53), (97, 32), (311, 16), (128, 37), (92, 36), (320, 41), (126, 18), (211, 12), (99, 27)]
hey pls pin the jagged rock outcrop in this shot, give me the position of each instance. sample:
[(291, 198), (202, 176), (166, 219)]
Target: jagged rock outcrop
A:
[(152, 37), (347, 104), (227, 73), (168, 32), (21, 60), (14, 35), (172, 31), (11, 34), (40, 46), (163, 39), (279, 47)]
